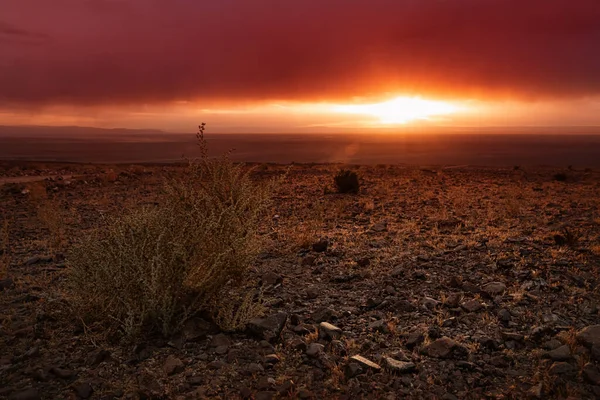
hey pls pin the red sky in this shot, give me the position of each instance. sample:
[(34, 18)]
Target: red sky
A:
[(143, 62)]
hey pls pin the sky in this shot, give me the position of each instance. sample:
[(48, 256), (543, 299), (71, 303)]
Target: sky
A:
[(273, 65)]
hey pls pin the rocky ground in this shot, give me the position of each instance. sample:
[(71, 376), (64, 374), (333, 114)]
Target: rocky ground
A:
[(431, 283)]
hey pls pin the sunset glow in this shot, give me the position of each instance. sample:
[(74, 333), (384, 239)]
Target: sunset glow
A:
[(400, 110)]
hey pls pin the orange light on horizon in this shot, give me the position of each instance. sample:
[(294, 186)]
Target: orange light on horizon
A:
[(400, 110)]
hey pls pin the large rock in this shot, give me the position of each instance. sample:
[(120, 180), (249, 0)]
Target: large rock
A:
[(268, 328), (591, 374), (589, 336), (173, 365)]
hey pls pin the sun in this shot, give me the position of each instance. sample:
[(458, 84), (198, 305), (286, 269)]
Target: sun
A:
[(400, 110)]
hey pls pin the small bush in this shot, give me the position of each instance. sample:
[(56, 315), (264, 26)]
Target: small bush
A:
[(560, 177), (151, 268), (346, 181)]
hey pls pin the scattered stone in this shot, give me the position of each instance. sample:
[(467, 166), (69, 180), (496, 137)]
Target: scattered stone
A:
[(404, 306), (268, 328), (220, 340), (472, 305), (173, 365), (254, 368), (561, 368), (305, 394), (217, 364), (312, 293), (398, 366), (320, 246), (365, 363), (562, 353), (245, 392), (27, 394), (314, 350), (84, 390), (596, 353), (516, 337), (329, 331), (494, 288), (298, 344), (589, 336)]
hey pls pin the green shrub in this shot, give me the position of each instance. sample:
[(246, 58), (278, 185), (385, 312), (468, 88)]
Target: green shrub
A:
[(150, 268), (346, 181)]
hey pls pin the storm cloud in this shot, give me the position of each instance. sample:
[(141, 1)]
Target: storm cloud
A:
[(153, 51)]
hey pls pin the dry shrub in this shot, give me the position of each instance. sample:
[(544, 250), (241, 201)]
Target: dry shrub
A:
[(150, 268), (346, 181), (234, 310)]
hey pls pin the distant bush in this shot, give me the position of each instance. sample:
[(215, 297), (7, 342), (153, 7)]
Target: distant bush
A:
[(346, 181), (560, 177), (150, 268)]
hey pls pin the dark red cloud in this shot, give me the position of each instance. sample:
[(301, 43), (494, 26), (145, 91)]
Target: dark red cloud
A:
[(105, 51)]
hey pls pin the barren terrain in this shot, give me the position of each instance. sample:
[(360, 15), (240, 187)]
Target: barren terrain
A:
[(445, 283)]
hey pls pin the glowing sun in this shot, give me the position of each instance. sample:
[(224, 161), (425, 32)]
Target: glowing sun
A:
[(400, 110)]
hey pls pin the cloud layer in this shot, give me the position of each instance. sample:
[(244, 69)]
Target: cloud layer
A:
[(153, 51)]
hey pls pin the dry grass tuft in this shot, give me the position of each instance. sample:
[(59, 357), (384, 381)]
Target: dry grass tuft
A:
[(151, 268)]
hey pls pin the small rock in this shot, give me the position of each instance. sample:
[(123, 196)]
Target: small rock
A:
[(472, 305), (453, 300), (62, 373), (398, 366), (220, 340), (445, 348), (365, 363), (272, 359), (268, 328), (84, 390), (245, 392), (353, 369), (6, 284), (305, 394), (517, 337), (312, 293), (298, 344), (591, 374), (265, 395), (429, 302), (535, 392), (324, 314), (552, 344), (455, 281), (596, 353), (173, 365), (314, 350), (414, 339), (504, 315), (254, 368), (271, 278), (320, 246), (379, 326), (285, 388), (217, 364), (27, 394), (561, 368), (563, 353), (308, 261), (379, 227), (589, 336), (329, 331), (494, 288)]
